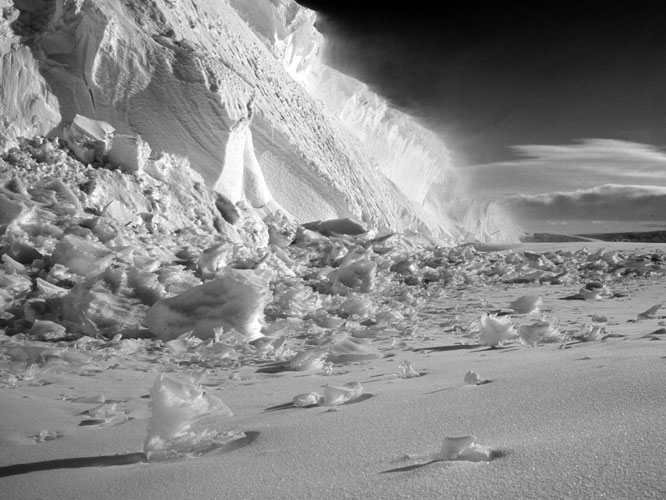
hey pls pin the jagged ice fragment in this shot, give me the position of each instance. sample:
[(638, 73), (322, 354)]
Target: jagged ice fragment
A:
[(236, 301), (183, 421)]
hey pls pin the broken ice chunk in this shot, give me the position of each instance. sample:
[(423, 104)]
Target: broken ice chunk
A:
[(129, 153), (407, 370), (464, 448), (11, 208), (350, 349), (228, 210), (594, 291), (406, 296), (472, 378), (45, 436), (76, 357), (335, 395), (234, 301), (56, 196), (650, 313), (359, 276), (88, 139), (102, 411), (336, 226), (119, 213), (93, 399), (30, 353), (81, 256), (13, 289), (526, 304), (146, 286), (182, 421), (298, 302), (182, 344), (324, 320), (47, 330), (308, 399), (452, 447), (540, 331), (11, 266), (278, 238), (104, 415), (308, 361), (95, 309), (49, 290), (213, 259), (8, 380), (14, 284), (405, 267), (496, 330), (327, 369), (360, 306), (60, 274), (390, 316), (590, 333)]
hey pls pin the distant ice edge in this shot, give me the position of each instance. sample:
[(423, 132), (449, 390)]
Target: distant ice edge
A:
[(239, 89)]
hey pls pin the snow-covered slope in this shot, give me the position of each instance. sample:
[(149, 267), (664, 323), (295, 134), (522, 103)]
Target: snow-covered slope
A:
[(237, 88)]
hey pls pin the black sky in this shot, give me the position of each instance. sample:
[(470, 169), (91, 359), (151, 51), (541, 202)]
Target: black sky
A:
[(489, 75)]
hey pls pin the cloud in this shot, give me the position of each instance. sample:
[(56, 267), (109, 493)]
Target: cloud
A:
[(603, 203), (593, 150), (583, 165)]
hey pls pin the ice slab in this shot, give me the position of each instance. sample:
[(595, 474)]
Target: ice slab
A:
[(465, 448), (183, 421), (129, 153), (89, 139), (234, 301), (526, 304)]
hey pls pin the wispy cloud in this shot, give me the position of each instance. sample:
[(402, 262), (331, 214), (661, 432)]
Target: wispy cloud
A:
[(607, 202), (564, 168), (593, 150)]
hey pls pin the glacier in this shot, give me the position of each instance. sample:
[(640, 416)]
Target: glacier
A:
[(241, 90)]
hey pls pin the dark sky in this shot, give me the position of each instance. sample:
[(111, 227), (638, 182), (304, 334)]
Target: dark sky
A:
[(490, 75)]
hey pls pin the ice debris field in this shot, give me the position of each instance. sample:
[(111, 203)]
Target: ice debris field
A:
[(108, 273)]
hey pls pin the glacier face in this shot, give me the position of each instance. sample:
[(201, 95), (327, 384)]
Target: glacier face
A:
[(238, 88), (27, 107), (410, 155)]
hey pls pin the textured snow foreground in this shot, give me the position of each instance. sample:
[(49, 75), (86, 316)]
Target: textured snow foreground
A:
[(161, 342)]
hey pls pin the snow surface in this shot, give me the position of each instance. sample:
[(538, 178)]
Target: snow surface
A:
[(581, 422)]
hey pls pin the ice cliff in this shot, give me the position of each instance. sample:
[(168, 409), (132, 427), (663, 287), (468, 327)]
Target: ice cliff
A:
[(239, 89)]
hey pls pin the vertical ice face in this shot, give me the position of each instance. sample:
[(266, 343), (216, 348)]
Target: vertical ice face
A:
[(236, 87), (412, 157), (27, 107), (192, 79)]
